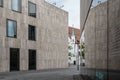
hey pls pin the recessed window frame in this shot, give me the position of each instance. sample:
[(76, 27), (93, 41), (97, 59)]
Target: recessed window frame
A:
[(20, 7), (7, 28), (2, 3), (35, 9), (29, 32)]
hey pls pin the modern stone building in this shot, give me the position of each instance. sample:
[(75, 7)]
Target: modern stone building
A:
[(96, 37), (84, 10), (33, 35), (102, 40)]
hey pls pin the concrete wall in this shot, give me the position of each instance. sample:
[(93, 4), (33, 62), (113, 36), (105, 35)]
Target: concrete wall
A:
[(90, 41), (96, 37), (114, 34), (84, 10), (51, 36)]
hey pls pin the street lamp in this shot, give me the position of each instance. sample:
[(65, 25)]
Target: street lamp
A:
[(78, 54)]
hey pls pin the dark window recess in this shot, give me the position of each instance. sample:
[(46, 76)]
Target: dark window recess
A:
[(32, 32), (32, 9), (16, 5), (1, 3), (11, 28), (32, 59), (14, 59)]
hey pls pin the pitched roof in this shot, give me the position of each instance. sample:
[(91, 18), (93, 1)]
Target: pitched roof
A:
[(76, 31)]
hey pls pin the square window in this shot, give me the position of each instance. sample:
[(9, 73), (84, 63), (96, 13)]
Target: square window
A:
[(31, 33), (16, 5), (11, 28), (1, 3), (32, 9)]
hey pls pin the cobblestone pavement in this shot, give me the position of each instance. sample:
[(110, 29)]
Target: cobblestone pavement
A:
[(56, 74)]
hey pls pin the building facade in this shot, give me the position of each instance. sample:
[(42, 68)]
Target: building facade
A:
[(84, 10), (101, 36), (73, 39), (33, 36)]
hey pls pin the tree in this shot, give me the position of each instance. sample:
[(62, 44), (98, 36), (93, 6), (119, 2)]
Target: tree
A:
[(82, 53), (70, 54), (70, 47), (82, 46)]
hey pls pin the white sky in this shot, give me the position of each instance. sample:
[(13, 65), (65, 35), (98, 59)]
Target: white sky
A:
[(71, 6), (96, 2)]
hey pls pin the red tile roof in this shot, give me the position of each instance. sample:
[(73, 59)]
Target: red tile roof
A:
[(77, 33)]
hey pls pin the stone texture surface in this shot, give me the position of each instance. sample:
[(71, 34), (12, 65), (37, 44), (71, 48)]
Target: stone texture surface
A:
[(114, 34), (51, 36), (84, 9), (96, 36)]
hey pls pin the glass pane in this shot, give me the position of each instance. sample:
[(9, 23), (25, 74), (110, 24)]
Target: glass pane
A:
[(32, 35), (32, 9), (15, 28), (1, 3), (12, 29), (16, 5)]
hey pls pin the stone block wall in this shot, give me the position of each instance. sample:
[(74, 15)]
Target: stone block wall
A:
[(114, 34), (102, 34), (96, 37), (51, 36)]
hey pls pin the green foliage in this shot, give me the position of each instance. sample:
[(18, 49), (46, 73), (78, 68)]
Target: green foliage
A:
[(82, 46), (69, 58), (73, 55), (83, 54), (70, 54), (70, 47)]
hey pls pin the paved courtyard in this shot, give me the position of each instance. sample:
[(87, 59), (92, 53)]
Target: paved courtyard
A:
[(56, 74)]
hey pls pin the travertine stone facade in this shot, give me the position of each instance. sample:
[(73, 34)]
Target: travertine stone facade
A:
[(102, 34), (84, 9), (96, 37), (51, 36), (114, 34)]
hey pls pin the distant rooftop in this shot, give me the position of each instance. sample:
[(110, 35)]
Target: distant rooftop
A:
[(77, 33)]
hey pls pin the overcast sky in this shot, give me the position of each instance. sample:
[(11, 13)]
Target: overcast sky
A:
[(71, 6), (97, 2)]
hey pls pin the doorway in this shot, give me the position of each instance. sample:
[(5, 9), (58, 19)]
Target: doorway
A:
[(14, 59), (32, 59)]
